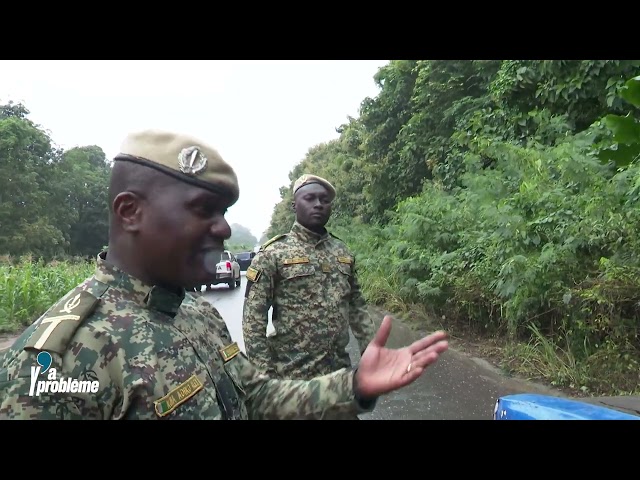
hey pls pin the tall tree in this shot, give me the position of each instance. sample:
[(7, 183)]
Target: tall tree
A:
[(84, 179), (27, 161)]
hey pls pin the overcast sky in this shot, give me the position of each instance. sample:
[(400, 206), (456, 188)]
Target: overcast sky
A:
[(262, 116)]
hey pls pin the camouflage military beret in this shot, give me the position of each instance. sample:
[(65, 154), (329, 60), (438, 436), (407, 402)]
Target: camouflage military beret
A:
[(307, 179), (183, 157)]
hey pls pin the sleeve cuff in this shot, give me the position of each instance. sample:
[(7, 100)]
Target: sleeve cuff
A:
[(364, 405)]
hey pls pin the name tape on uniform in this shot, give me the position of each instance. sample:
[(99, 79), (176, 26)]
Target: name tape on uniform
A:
[(176, 397)]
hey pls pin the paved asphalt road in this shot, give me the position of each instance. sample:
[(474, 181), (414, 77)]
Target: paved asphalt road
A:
[(457, 387)]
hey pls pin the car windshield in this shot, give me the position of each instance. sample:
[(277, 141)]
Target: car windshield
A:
[(244, 256)]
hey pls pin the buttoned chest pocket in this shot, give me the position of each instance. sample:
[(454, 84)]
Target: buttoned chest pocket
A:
[(345, 268), (302, 273)]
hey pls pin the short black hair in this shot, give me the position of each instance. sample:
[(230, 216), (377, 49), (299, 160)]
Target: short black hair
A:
[(136, 178)]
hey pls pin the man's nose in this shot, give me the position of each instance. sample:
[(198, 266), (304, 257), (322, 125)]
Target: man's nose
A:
[(220, 228)]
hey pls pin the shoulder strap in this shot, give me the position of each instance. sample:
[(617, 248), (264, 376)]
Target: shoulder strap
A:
[(272, 240), (58, 325)]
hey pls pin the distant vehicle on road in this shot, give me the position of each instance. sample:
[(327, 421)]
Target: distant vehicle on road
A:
[(244, 259), (227, 271), (527, 406)]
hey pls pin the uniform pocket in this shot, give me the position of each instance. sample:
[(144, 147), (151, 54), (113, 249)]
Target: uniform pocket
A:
[(344, 268), (231, 369), (300, 271)]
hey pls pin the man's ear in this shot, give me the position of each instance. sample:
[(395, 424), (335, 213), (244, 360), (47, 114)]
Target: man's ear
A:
[(127, 208)]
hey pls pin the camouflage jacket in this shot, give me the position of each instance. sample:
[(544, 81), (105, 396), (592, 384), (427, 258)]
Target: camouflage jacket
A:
[(310, 282), (154, 355)]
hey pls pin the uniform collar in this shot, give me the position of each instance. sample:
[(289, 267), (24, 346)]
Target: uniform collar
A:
[(307, 235), (148, 296)]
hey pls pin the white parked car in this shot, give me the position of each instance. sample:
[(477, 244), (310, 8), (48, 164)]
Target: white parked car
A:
[(227, 271)]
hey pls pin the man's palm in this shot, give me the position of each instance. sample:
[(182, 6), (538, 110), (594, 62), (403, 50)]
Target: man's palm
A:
[(382, 370)]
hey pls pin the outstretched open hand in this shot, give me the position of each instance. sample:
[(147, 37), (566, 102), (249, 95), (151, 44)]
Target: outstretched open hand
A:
[(382, 370)]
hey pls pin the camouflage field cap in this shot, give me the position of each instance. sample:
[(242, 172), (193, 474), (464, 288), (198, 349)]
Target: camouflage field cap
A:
[(183, 157), (307, 179)]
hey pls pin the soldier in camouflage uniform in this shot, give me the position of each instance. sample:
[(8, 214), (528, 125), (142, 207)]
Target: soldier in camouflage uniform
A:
[(308, 277), (131, 343)]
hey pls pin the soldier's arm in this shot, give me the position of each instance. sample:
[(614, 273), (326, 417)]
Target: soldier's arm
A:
[(271, 399), (360, 320), (255, 316)]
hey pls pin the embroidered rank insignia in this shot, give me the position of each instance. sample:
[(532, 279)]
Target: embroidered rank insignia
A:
[(176, 397), (58, 326), (230, 351), (344, 260)]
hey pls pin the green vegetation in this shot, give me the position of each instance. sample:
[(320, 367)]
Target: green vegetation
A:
[(29, 287), (242, 240), (501, 198), (52, 209), (52, 202)]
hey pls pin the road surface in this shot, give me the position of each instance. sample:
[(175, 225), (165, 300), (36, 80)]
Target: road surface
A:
[(457, 387)]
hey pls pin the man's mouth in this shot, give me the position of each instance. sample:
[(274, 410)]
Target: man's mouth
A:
[(211, 254)]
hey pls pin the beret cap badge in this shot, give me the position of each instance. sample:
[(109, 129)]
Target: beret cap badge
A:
[(192, 161)]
